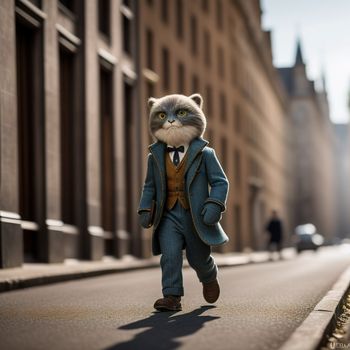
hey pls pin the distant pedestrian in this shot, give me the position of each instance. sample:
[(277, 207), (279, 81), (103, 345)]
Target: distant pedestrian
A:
[(275, 229)]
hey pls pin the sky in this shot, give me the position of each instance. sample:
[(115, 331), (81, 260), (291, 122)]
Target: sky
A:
[(323, 27)]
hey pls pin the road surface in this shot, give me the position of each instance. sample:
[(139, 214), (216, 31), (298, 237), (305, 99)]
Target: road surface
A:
[(260, 306)]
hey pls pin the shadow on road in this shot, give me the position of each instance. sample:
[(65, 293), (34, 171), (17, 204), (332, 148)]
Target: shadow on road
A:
[(164, 329)]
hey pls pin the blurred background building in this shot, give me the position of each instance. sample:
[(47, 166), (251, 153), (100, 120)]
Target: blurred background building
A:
[(342, 179), (314, 143), (76, 76)]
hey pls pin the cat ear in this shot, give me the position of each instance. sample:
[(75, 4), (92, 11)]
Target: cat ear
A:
[(197, 98), (151, 101)]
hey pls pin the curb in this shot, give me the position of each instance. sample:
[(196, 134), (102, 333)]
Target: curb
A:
[(20, 283), (78, 272), (310, 334)]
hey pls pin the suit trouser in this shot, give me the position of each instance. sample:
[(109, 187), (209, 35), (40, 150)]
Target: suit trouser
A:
[(176, 232)]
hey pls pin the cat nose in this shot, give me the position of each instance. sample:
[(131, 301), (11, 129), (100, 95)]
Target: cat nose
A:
[(171, 121)]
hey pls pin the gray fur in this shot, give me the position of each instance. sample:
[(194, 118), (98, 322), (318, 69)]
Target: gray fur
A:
[(183, 129)]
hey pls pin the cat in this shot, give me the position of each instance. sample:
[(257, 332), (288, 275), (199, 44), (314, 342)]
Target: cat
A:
[(176, 199), (177, 119)]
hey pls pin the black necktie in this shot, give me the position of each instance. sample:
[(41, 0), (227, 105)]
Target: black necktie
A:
[(176, 150)]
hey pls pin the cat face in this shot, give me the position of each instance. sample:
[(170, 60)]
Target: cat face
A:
[(176, 119)]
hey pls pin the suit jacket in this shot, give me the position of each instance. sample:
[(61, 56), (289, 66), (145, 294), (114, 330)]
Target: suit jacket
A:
[(202, 170)]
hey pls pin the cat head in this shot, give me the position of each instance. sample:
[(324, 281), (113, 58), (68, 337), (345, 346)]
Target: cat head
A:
[(176, 119)]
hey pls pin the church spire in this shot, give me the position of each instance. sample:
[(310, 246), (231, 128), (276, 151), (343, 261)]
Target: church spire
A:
[(323, 78), (299, 57)]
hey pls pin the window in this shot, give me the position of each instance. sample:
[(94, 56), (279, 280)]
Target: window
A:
[(205, 5), (149, 89), (223, 109), (209, 101), (37, 3), (209, 136), (195, 83), (221, 62), (232, 27), (149, 93), (128, 26), (194, 42), (149, 49), (107, 153), (164, 11), (126, 34), (179, 19), (233, 71), (29, 97), (30, 133), (181, 78), (166, 68), (207, 48), (224, 152), (68, 141), (237, 168), (237, 113), (219, 14), (104, 17), (129, 122), (68, 4)]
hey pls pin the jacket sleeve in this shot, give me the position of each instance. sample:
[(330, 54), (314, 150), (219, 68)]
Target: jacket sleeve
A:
[(148, 191), (218, 182)]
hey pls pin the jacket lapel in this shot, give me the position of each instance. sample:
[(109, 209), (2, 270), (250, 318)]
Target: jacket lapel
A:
[(194, 149), (158, 150)]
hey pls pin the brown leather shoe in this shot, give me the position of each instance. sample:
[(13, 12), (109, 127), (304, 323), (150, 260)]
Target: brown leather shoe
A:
[(211, 291), (168, 303)]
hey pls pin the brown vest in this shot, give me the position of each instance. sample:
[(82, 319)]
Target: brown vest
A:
[(176, 182)]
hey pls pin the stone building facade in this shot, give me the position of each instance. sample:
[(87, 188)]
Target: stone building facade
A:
[(76, 76), (314, 149), (67, 68)]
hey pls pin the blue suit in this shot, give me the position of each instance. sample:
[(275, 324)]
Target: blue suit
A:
[(179, 228)]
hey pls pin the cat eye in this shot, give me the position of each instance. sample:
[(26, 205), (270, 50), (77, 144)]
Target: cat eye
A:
[(182, 113), (161, 115)]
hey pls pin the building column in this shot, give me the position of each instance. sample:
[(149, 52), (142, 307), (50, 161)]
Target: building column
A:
[(93, 238), (54, 249), (11, 240)]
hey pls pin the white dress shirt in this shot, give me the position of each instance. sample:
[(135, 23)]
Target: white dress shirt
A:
[(181, 154)]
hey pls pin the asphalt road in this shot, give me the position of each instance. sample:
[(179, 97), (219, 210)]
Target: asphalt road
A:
[(260, 306)]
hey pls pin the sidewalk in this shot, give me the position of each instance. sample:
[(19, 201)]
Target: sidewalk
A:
[(322, 329), (35, 274)]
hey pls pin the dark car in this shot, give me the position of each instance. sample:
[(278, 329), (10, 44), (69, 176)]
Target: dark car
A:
[(307, 238)]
